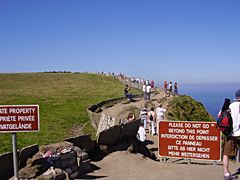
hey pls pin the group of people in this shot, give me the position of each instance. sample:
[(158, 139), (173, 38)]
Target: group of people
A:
[(147, 88), (232, 142), (152, 118), (132, 79), (170, 89)]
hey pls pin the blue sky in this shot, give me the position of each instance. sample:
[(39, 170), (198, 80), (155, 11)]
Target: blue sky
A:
[(185, 41)]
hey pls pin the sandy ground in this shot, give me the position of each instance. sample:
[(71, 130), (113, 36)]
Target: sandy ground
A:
[(124, 165)]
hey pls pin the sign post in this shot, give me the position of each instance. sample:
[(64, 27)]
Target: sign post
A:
[(15, 157), (18, 118), (189, 140)]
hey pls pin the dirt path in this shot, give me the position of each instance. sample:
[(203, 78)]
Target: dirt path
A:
[(118, 109), (124, 165)]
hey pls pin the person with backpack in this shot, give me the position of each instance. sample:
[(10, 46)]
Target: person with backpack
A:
[(143, 117), (233, 141), (224, 121), (152, 120)]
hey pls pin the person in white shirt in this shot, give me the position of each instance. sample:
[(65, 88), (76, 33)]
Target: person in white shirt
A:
[(160, 115), (141, 133), (144, 90), (170, 88), (148, 91), (230, 149)]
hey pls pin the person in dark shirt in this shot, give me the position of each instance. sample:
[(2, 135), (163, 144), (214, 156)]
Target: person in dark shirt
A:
[(126, 93)]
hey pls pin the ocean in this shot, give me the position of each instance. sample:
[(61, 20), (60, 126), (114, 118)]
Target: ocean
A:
[(210, 95)]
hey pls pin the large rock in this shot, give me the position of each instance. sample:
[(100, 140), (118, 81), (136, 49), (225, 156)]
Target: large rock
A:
[(105, 123), (6, 161), (129, 129), (58, 156), (36, 166), (27, 152), (84, 142), (109, 136), (94, 112), (55, 147)]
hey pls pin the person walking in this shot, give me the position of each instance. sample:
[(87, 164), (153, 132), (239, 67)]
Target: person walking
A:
[(231, 143), (170, 88), (152, 120), (160, 116), (141, 134), (148, 91), (144, 117), (152, 84), (165, 88), (144, 89), (175, 89)]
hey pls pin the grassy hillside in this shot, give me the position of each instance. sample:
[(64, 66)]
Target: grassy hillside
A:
[(62, 99), (185, 108)]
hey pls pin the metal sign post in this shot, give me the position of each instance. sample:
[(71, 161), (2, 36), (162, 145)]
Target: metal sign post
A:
[(15, 156)]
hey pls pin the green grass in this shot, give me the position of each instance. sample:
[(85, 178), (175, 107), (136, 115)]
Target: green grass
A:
[(62, 98)]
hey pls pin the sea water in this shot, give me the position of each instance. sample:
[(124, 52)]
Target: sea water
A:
[(210, 95)]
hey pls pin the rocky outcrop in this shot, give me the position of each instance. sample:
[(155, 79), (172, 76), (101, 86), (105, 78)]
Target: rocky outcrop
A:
[(94, 112), (6, 161), (56, 161), (123, 138), (105, 122), (84, 142), (185, 108), (116, 133), (27, 152)]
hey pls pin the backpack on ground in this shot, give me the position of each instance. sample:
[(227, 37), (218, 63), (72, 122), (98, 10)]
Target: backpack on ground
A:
[(225, 123)]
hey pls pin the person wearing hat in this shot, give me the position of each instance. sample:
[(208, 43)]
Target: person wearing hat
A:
[(232, 148)]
